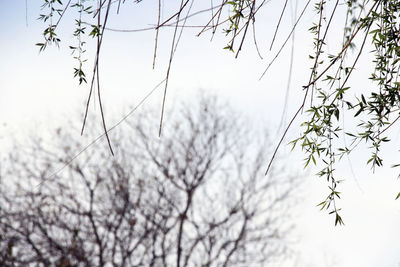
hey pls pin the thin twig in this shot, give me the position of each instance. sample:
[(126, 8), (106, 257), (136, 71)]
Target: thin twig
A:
[(100, 7), (169, 67), (183, 26), (281, 140), (214, 26), (354, 64), (119, 4), (319, 44), (103, 134), (277, 26), (95, 64), (255, 39), (98, 80), (289, 79), (287, 39), (390, 125), (212, 18), (62, 14), (177, 14), (96, 60), (102, 111), (157, 30), (251, 15)]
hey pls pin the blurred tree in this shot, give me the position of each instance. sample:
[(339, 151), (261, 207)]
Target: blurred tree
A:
[(197, 197)]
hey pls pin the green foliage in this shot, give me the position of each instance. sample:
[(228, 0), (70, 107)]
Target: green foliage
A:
[(241, 10), (78, 50), (55, 10), (374, 111)]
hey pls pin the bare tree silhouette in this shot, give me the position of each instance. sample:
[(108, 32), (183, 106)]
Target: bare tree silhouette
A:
[(198, 197)]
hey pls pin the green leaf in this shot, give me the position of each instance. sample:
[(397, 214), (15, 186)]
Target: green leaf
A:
[(338, 219), (363, 99)]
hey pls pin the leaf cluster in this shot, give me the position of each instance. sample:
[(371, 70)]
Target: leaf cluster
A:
[(373, 111)]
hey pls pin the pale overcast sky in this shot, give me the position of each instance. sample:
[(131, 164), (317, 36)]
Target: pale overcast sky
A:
[(37, 91)]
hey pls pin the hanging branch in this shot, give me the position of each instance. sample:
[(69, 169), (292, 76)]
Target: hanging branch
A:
[(157, 30), (96, 73), (170, 62), (287, 39), (277, 26)]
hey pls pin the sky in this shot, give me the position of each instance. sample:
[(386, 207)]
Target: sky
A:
[(38, 93)]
